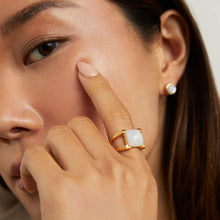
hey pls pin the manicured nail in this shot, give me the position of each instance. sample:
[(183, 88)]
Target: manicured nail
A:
[(87, 70)]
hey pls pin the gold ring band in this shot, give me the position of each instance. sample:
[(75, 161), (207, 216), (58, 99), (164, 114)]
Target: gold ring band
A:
[(132, 138)]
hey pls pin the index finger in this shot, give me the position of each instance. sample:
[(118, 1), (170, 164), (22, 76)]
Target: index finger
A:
[(112, 111)]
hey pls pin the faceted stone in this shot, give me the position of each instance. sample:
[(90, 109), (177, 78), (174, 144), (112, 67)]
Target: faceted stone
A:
[(134, 137)]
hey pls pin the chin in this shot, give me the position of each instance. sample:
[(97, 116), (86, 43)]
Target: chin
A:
[(31, 203)]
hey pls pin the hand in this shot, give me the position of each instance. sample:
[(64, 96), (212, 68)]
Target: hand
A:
[(79, 174)]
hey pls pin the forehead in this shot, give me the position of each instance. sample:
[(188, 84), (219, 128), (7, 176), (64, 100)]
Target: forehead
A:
[(15, 15), (9, 7)]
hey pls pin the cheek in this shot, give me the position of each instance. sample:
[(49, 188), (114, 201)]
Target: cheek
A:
[(56, 92)]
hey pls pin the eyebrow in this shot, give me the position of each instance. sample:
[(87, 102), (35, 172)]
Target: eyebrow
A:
[(25, 15)]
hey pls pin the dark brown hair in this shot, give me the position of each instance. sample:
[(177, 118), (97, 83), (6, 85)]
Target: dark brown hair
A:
[(191, 146)]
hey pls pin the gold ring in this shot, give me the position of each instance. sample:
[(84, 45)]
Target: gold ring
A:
[(132, 138)]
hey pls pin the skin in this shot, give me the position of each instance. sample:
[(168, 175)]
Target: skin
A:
[(36, 96)]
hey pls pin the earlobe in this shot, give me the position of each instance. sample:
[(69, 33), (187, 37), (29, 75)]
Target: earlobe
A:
[(175, 45)]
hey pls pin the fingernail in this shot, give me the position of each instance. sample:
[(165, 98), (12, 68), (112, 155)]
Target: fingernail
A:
[(87, 70)]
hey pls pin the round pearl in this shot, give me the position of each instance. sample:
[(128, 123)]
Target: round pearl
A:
[(171, 89)]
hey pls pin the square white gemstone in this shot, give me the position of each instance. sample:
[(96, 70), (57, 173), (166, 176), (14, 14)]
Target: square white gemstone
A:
[(134, 137)]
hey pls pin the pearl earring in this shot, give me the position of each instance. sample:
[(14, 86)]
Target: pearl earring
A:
[(170, 89)]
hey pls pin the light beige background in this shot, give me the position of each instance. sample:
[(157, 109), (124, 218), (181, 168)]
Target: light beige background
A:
[(207, 14)]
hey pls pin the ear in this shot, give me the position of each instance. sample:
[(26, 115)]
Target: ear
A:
[(175, 47)]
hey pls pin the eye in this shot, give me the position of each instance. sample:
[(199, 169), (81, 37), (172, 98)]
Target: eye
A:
[(41, 51)]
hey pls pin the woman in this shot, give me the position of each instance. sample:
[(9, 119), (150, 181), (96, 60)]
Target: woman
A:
[(58, 111)]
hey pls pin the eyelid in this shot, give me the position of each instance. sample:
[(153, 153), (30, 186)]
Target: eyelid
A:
[(28, 48), (37, 41)]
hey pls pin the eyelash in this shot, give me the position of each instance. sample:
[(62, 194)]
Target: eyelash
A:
[(36, 46)]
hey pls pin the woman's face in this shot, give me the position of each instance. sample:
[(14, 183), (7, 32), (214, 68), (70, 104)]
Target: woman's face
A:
[(39, 87)]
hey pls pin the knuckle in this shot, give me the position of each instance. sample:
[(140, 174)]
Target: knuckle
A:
[(119, 113), (120, 171), (95, 177), (58, 130), (57, 134), (79, 120), (126, 175), (32, 150), (64, 184), (136, 173)]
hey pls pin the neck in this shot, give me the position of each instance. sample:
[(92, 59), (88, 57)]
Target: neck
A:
[(155, 159)]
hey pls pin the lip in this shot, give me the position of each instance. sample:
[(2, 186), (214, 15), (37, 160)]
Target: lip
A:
[(15, 173), (20, 184), (15, 169)]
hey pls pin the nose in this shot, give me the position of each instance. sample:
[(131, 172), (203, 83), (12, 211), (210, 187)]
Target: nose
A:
[(17, 116), (16, 121)]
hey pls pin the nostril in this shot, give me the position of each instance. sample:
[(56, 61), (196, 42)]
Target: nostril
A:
[(16, 130), (13, 133)]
